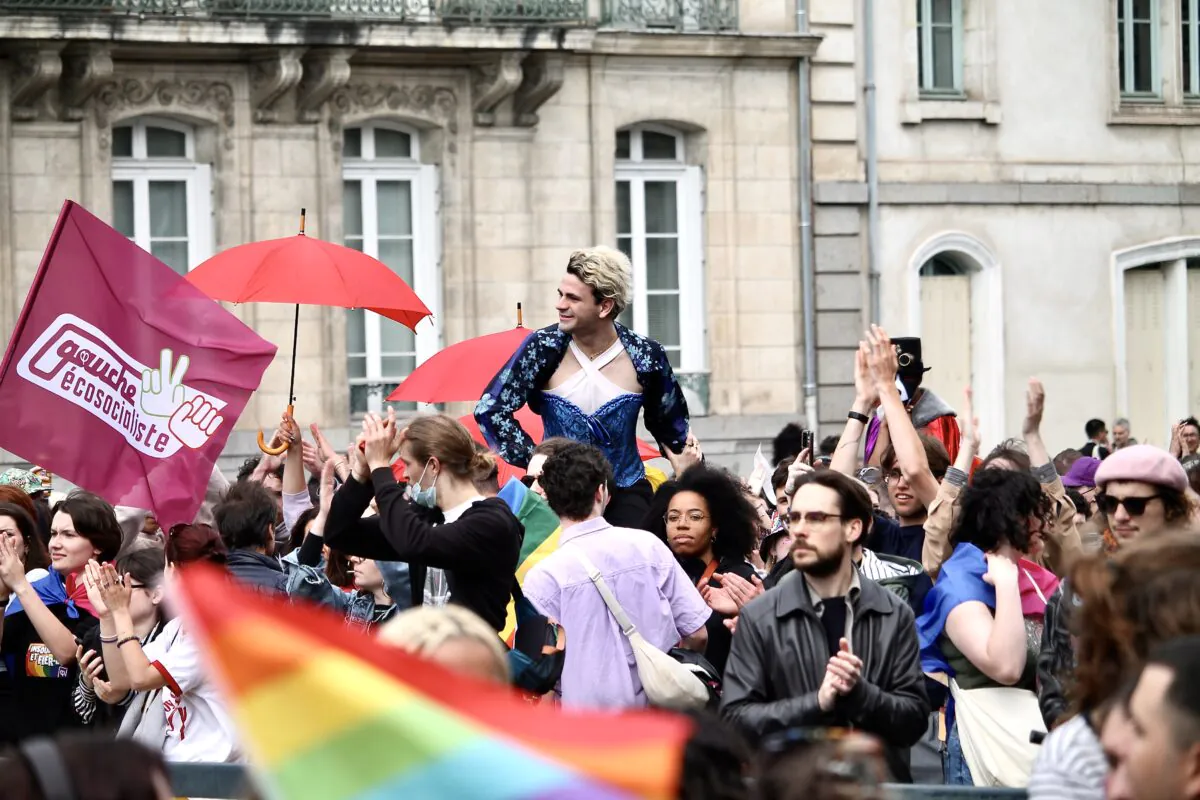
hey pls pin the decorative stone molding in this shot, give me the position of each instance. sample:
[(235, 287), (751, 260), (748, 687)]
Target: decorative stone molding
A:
[(543, 78), (85, 70), (325, 71), (272, 76), (434, 104), (212, 99), (495, 81), (38, 68)]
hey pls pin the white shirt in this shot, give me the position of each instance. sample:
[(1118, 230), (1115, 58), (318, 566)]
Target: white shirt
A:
[(198, 725), (437, 588)]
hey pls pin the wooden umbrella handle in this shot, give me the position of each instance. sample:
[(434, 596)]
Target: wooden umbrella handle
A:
[(278, 449)]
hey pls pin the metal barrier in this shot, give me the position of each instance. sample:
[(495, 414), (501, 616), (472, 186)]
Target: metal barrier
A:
[(231, 781)]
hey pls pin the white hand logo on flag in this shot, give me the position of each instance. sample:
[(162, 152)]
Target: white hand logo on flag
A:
[(194, 422), (162, 389)]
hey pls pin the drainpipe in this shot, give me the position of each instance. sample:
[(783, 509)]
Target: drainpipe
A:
[(807, 258), (872, 158)]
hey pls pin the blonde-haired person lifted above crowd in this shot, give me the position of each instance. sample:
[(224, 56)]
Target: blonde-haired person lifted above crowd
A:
[(589, 377), (441, 525)]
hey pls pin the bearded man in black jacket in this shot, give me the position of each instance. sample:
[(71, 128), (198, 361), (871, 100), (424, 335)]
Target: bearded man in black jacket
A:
[(825, 647)]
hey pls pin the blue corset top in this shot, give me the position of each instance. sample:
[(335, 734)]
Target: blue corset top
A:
[(613, 429)]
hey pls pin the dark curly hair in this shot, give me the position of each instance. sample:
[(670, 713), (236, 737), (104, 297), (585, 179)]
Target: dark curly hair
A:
[(735, 519), (570, 478), (996, 509), (1011, 450)]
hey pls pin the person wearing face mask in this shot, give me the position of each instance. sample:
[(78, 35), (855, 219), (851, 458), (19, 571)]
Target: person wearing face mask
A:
[(460, 547)]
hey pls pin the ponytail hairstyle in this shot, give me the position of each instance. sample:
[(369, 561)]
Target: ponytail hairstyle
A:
[(1144, 595), (444, 438)]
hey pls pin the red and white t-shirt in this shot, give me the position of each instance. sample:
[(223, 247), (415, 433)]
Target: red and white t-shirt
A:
[(198, 726)]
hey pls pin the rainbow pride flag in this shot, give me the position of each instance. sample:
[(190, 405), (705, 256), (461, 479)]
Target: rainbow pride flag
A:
[(328, 712), (542, 533)]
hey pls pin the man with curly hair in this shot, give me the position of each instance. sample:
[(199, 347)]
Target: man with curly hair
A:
[(589, 378)]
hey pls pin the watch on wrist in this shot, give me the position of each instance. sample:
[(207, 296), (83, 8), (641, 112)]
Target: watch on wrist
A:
[(857, 417)]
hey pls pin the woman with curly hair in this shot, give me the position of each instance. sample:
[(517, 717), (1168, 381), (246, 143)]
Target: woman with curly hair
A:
[(982, 625), (1144, 596), (710, 526)]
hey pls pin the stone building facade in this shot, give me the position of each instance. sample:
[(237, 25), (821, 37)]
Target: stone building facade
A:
[(1038, 207), (469, 144)]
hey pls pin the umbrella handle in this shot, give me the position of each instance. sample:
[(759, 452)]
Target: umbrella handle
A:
[(278, 449)]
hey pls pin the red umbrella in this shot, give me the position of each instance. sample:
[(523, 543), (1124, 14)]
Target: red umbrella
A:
[(296, 270), (462, 371)]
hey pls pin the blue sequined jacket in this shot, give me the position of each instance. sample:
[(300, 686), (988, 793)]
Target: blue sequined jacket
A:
[(612, 428)]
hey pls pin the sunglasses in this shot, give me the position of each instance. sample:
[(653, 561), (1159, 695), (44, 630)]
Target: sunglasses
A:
[(529, 480), (1134, 506)]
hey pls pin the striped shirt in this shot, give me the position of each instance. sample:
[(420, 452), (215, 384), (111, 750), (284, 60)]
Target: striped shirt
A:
[(1071, 764)]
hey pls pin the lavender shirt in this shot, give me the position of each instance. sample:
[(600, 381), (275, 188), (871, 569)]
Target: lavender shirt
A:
[(600, 671)]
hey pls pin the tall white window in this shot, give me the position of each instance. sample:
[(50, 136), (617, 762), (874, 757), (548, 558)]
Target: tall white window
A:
[(389, 211), (659, 213), (940, 46), (161, 196), (1137, 47), (1189, 35)]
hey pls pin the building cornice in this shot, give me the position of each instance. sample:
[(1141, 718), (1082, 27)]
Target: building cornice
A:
[(127, 32)]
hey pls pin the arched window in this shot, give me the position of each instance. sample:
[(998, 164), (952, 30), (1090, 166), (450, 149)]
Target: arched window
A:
[(389, 211), (659, 226), (956, 307), (161, 196)]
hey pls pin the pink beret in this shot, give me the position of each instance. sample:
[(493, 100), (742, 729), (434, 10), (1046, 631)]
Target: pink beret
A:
[(1145, 463)]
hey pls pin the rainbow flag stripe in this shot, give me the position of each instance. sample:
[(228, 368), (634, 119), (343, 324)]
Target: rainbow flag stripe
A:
[(326, 711)]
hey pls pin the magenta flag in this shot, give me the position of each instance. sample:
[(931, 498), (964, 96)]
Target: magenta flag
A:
[(121, 376)]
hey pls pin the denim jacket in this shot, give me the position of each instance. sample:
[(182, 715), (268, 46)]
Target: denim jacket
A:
[(312, 584)]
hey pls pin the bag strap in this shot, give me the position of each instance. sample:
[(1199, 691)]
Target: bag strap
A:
[(614, 607), (708, 573)]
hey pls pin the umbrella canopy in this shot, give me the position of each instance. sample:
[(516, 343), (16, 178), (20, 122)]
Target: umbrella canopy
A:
[(461, 372), (306, 271)]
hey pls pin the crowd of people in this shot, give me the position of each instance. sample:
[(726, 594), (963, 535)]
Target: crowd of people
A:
[(895, 603)]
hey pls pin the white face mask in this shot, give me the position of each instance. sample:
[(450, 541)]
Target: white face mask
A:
[(903, 391)]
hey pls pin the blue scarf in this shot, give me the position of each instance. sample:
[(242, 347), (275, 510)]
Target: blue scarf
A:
[(959, 581), (52, 589)]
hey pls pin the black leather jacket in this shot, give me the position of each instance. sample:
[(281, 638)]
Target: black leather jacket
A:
[(779, 656)]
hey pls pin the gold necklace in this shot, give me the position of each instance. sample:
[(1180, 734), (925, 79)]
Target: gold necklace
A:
[(602, 351)]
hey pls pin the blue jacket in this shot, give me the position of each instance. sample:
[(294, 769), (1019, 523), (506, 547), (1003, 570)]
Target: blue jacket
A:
[(312, 584)]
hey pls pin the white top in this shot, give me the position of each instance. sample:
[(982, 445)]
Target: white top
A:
[(589, 388), (1070, 764), (437, 588), (198, 725)]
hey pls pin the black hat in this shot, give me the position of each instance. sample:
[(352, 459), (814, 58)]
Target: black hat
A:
[(908, 352)]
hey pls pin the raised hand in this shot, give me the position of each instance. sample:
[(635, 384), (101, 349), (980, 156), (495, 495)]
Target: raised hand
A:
[(380, 440), (115, 590), (93, 576), (162, 388), (882, 360), (865, 393), (969, 422), (194, 422), (325, 499), (797, 470), (690, 457), (1035, 407), (12, 564), (358, 461)]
